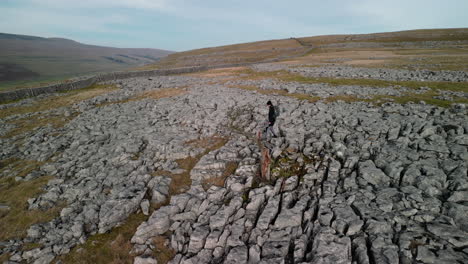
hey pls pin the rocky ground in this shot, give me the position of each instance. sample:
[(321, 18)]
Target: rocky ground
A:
[(366, 73), (351, 182)]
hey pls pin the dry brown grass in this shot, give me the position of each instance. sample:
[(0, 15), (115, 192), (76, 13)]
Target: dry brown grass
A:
[(61, 100), (28, 124), (179, 184), (231, 167), (443, 58), (18, 166), (162, 252), (238, 53), (113, 247), (354, 56), (261, 50), (4, 258), (286, 76), (15, 221), (34, 121), (400, 36)]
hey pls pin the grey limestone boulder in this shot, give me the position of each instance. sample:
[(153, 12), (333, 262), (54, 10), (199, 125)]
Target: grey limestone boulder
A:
[(372, 174)]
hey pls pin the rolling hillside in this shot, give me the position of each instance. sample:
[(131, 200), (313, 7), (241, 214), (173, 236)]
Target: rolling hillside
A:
[(449, 49), (26, 59)]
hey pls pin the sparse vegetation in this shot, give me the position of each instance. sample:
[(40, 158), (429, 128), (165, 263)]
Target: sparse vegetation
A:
[(285, 167), (298, 96), (238, 53), (180, 182), (28, 124), (219, 181), (4, 258), (290, 77), (262, 50), (154, 94), (113, 247), (163, 252), (400, 36), (66, 98), (376, 99), (38, 119), (15, 221)]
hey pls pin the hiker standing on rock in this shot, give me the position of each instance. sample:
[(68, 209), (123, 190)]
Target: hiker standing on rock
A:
[(271, 119)]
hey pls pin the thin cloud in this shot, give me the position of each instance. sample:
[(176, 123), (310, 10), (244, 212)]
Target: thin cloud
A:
[(132, 4), (187, 24), (50, 20)]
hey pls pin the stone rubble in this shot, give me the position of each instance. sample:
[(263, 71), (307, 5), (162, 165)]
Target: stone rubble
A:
[(384, 184)]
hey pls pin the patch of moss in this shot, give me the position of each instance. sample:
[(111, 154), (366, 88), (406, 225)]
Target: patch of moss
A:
[(245, 197), (285, 167), (30, 246)]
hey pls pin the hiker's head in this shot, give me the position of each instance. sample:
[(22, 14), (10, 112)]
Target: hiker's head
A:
[(269, 103)]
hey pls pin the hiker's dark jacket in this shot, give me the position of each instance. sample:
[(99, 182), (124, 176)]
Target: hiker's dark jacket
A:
[(271, 115)]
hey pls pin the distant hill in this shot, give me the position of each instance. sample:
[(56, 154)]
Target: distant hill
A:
[(298, 46), (25, 59)]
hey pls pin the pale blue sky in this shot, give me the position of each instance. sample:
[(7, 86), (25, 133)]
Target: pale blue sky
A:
[(182, 24)]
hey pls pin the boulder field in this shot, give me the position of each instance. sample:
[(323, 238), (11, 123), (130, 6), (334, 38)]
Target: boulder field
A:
[(351, 182)]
